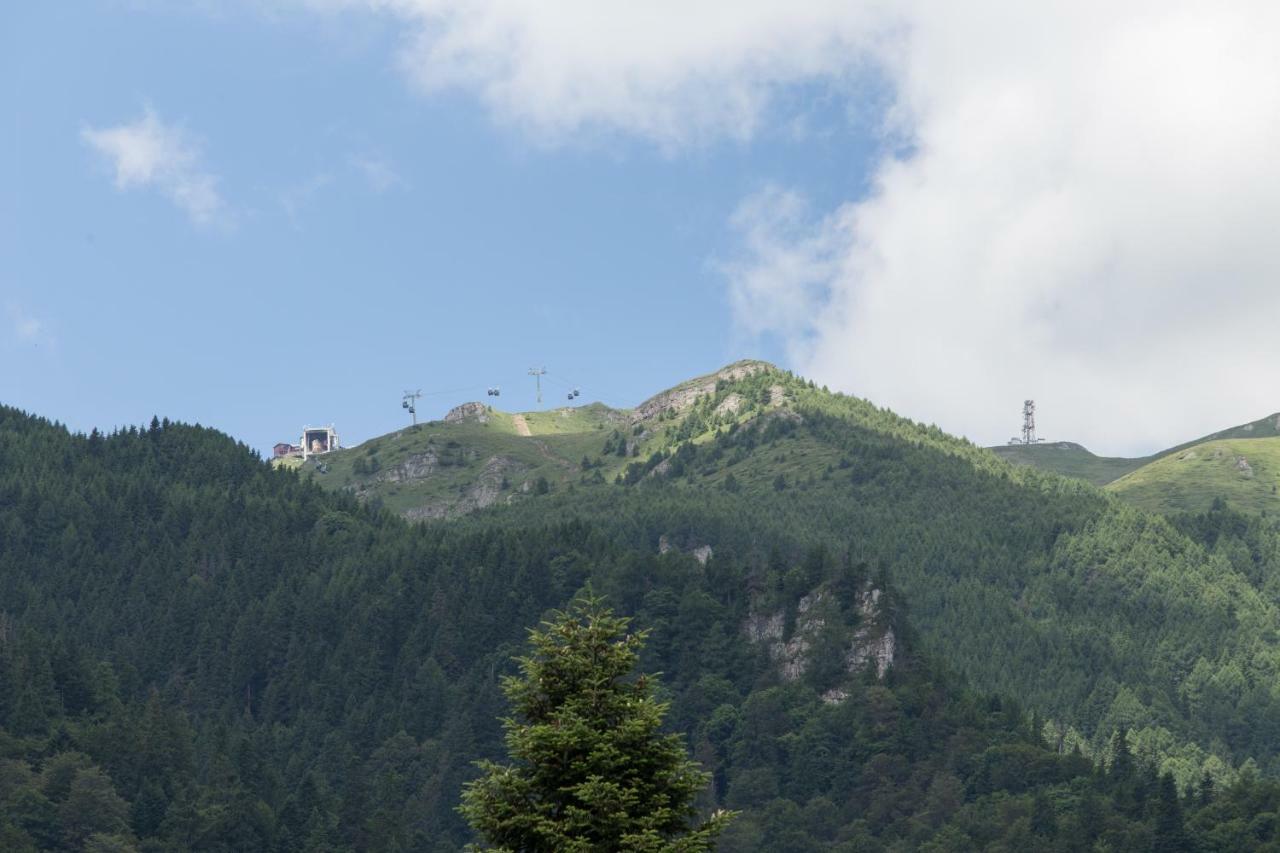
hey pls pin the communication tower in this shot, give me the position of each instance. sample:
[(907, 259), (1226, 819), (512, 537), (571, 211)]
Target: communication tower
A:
[(1029, 422)]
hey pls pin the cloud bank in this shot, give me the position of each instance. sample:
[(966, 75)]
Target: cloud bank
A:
[(148, 153), (1083, 214)]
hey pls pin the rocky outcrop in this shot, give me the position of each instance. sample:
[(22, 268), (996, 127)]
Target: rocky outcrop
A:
[(730, 404), (873, 640), (791, 655), (415, 466), (484, 491), (477, 412), (683, 396), (871, 643), (701, 553)]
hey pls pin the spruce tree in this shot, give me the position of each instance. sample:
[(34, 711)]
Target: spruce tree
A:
[(591, 770)]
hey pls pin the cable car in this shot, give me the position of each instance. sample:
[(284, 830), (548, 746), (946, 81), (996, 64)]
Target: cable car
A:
[(570, 395), (404, 404), (576, 392)]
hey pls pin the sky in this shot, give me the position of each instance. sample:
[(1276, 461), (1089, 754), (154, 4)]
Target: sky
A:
[(257, 216)]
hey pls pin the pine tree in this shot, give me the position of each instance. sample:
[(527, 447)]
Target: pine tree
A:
[(590, 769)]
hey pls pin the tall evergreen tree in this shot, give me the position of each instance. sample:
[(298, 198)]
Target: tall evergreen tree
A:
[(590, 768)]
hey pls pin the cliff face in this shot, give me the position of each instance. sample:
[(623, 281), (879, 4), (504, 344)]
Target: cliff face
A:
[(870, 641)]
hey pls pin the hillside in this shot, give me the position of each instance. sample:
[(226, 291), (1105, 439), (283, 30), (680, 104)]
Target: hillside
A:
[(1243, 471), (478, 456), (1070, 460), (837, 598), (1188, 477), (736, 460)]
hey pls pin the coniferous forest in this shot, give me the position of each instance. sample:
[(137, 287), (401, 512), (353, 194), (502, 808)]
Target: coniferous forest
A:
[(893, 642)]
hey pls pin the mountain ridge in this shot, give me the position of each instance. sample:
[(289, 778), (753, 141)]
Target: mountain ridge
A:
[(1153, 482)]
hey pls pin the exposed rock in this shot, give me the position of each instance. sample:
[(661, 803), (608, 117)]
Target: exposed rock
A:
[(477, 412), (415, 466), (790, 656), (872, 641), (730, 404), (483, 492), (777, 395), (683, 396), (701, 553), (1243, 466)]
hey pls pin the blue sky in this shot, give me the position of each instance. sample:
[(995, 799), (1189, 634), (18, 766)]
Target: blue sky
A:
[(368, 238), (261, 214)]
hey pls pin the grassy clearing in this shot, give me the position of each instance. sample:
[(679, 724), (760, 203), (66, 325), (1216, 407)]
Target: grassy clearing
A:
[(1191, 478)]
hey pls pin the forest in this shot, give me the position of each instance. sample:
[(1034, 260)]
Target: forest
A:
[(200, 652)]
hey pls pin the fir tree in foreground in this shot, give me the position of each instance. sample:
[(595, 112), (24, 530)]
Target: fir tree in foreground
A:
[(590, 767)]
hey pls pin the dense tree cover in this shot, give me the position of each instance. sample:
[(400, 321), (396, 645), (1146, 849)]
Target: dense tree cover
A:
[(1097, 614), (197, 652)]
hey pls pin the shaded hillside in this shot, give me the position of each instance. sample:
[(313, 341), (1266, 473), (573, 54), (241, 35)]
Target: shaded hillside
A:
[(1070, 460), (256, 663), (1002, 565)]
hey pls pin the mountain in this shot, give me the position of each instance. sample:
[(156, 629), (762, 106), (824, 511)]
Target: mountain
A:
[(1237, 464), (873, 634), (479, 456), (1070, 460)]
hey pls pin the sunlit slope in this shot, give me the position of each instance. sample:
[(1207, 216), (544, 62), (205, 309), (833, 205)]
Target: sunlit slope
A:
[(1187, 476), (1243, 471), (478, 457)]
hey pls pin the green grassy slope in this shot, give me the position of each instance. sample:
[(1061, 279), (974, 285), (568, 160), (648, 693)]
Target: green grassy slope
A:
[(1244, 471), (1185, 477), (1070, 460), (480, 456)]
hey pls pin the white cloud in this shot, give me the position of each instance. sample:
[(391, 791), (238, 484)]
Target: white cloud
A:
[(25, 329), (1086, 219), (377, 173), (670, 70), (148, 153), (1084, 215)]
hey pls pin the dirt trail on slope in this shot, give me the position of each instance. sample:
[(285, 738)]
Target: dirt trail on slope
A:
[(522, 426)]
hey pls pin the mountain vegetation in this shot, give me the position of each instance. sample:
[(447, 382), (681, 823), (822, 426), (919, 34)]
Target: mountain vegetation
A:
[(871, 635), (1236, 464)]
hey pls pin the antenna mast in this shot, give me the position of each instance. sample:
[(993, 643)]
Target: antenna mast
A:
[(409, 402), (537, 373), (1029, 422)]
